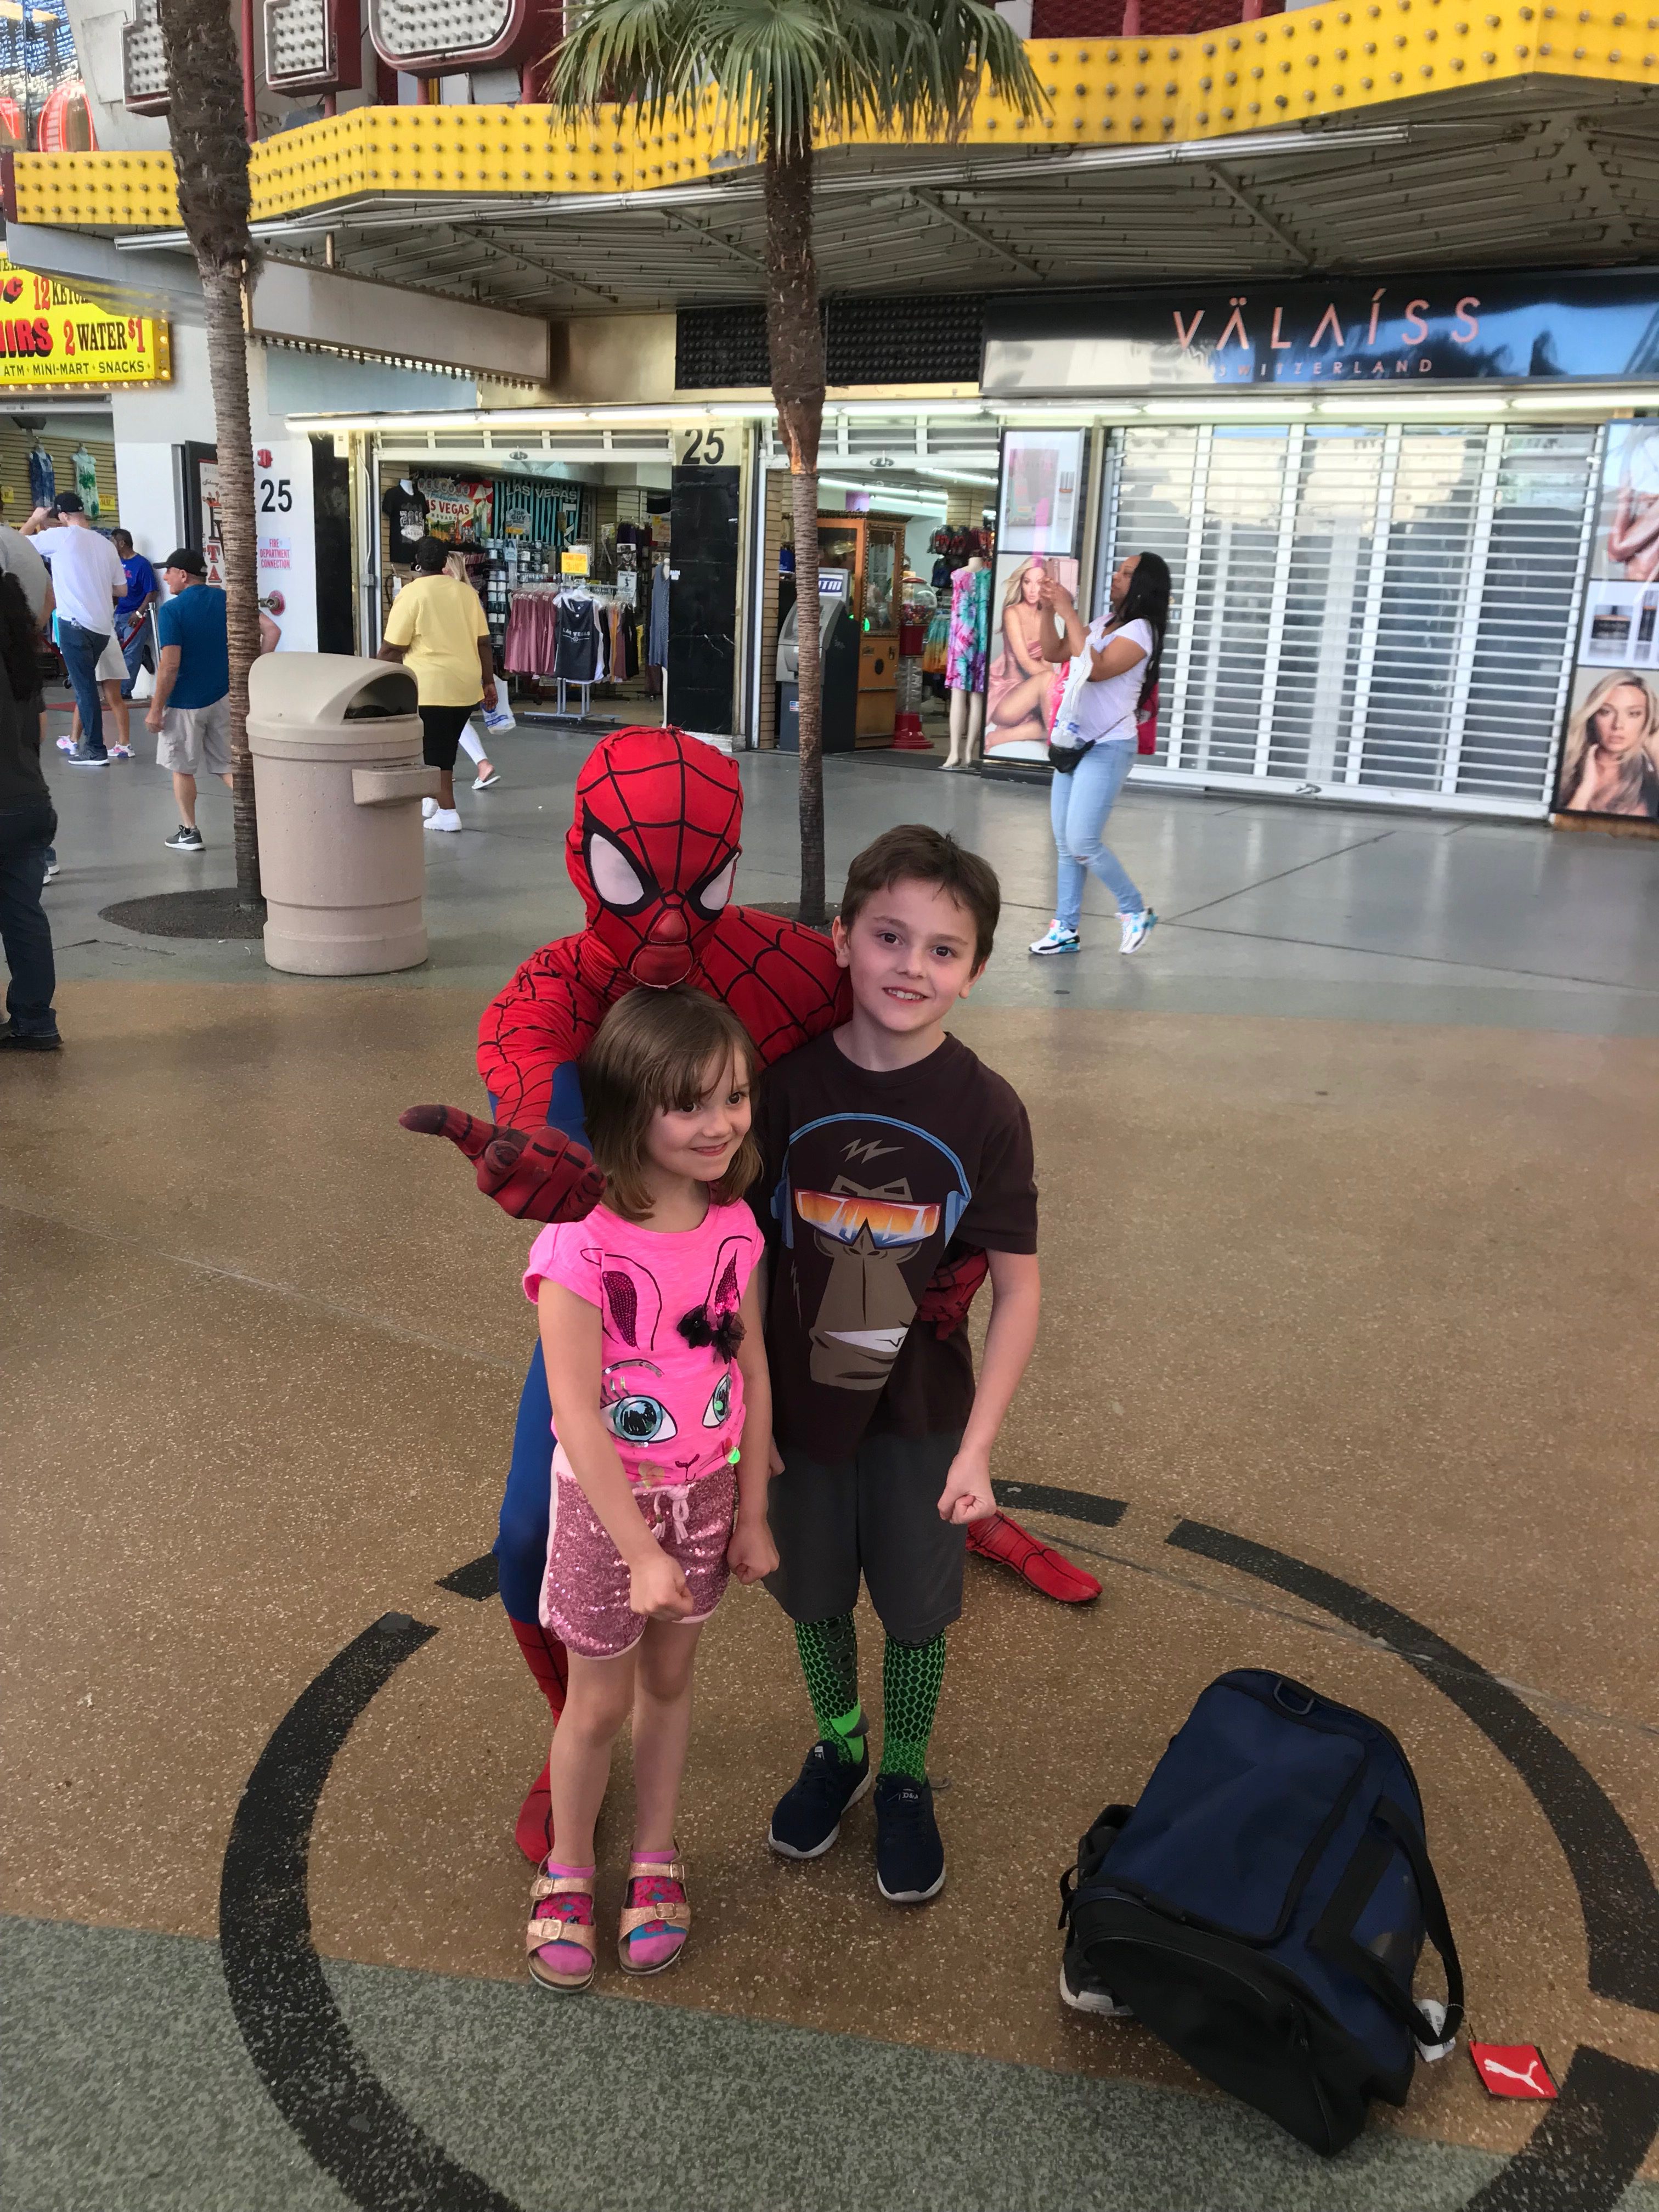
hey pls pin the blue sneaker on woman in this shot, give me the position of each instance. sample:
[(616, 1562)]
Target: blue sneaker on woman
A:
[(1058, 939)]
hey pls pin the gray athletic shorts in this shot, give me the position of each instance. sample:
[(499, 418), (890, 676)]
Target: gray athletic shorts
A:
[(876, 1514), (195, 740)]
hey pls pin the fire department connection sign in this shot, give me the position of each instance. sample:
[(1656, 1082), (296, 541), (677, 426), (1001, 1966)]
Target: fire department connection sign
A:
[(50, 335)]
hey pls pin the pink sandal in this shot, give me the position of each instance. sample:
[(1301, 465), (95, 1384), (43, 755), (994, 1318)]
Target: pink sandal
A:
[(561, 1920), (656, 1917)]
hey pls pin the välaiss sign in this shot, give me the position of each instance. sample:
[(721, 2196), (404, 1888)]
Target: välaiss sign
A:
[(1513, 327), (52, 335)]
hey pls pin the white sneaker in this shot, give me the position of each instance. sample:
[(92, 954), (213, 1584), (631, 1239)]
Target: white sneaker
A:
[(443, 818), (1058, 939), (1136, 929), (487, 782), (428, 808)]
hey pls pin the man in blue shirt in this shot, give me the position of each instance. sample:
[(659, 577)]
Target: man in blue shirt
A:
[(132, 609), (191, 710)]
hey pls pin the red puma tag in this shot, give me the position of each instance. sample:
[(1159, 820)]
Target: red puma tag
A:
[(1513, 2069)]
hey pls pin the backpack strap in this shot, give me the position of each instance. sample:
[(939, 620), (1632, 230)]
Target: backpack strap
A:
[(1090, 1855), (1333, 1933)]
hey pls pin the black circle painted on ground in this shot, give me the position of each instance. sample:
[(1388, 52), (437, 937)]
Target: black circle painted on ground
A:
[(300, 2046), (196, 913), (1581, 2158)]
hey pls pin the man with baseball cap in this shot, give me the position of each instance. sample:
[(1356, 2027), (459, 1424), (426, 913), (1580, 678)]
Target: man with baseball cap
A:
[(190, 710), (87, 579)]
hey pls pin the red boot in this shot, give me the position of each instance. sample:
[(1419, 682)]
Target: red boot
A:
[(545, 1656), (532, 1831), (996, 1537)]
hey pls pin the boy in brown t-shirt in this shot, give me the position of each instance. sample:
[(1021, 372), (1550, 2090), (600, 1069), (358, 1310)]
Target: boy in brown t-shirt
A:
[(888, 1147)]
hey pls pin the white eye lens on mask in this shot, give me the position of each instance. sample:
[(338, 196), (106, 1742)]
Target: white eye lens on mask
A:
[(615, 877)]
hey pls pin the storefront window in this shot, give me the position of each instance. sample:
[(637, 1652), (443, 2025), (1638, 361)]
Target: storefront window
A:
[(1363, 607)]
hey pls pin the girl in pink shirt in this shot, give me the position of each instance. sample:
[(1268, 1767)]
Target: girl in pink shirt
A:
[(650, 1330)]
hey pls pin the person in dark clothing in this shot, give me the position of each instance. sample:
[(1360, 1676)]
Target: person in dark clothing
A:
[(28, 826)]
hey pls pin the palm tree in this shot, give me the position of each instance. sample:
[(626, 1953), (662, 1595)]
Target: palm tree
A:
[(210, 158), (789, 73)]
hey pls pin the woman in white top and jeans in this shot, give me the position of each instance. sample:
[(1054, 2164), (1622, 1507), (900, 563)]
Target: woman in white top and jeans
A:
[(1114, 666)]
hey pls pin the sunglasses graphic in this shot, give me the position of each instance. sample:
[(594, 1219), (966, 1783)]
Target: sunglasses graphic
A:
[(844, 1216)]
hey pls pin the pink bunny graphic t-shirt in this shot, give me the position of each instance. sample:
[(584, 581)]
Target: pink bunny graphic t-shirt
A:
[(671, 1393)]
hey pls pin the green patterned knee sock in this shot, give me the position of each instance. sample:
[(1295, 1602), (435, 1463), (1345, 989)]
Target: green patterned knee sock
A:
[(910, 1677), (830, 1660)]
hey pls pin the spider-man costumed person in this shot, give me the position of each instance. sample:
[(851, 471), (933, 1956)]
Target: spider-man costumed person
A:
[(653, 847)]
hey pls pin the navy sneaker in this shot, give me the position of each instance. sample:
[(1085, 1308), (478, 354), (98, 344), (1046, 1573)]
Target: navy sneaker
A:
[(806, 1818), (909, 1856), (84, 757)]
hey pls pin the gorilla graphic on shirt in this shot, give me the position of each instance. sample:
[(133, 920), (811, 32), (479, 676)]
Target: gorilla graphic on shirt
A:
[(865, 1209)]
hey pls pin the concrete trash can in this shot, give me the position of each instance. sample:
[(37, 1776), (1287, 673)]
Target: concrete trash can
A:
[(339, 779)]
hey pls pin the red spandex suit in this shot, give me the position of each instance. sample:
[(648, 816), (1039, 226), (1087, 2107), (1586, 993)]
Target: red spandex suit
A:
[(653, 847)]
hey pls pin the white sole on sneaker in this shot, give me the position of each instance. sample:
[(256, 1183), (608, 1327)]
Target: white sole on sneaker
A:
[(909, 1896), (1101, 2002), (788, 1851)]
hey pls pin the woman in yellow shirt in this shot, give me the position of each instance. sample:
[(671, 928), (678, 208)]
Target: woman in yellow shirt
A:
[(437, 629)]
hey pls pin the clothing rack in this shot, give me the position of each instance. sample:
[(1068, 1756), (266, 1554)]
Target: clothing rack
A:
[(556, 588)]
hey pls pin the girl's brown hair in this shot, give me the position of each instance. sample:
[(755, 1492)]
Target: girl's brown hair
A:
[(653, 1055)]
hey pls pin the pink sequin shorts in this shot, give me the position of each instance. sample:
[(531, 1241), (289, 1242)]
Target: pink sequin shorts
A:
[(584, 1589)]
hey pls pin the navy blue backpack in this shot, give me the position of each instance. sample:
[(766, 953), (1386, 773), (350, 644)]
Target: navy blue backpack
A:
[(1262, 1908)]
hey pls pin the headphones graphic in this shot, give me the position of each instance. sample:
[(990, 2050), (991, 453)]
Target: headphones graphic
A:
[(955, 1203)]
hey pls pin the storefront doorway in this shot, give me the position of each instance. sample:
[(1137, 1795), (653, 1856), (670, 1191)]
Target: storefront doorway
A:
[(611, 557)]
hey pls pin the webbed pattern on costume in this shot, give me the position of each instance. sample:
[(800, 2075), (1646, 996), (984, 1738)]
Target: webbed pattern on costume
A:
[(780, 980), (652, 846)]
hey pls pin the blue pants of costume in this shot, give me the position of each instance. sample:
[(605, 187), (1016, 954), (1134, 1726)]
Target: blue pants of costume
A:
[(521, 1538)]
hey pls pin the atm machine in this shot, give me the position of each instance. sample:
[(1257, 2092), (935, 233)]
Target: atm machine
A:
[(838, 649)]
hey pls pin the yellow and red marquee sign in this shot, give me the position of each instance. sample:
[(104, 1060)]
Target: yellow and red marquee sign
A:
[(51, 336)]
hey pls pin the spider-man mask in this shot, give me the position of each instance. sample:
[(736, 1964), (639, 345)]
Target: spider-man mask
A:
[(652, 847)]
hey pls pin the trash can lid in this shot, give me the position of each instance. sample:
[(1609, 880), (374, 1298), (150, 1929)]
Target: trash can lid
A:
[(328, 690)]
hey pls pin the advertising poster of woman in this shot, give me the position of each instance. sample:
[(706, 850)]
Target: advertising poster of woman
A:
[(1022, 688), (1610, 761), (1610, 752)]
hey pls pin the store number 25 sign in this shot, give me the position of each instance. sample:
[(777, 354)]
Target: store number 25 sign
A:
[(711, 446)]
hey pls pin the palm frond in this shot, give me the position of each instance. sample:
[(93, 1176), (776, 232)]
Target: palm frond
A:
[(789, 73)]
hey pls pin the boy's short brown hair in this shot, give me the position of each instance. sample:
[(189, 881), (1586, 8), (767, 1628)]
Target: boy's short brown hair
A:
[(652, 1055), (915, 853)]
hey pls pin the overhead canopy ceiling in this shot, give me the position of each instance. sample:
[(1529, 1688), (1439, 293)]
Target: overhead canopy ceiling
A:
[(1535, 171)]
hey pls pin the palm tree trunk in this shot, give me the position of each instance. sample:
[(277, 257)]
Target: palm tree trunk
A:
[(222, 290), (795, 337), (208, 125)]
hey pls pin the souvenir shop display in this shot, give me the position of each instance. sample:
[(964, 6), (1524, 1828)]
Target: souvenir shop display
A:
[(573, 595), (966, 656), (572, 632), (953, 548), (404, 508), (656, 651), (916, 612)]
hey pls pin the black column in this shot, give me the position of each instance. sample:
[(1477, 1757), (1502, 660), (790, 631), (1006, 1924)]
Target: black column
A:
[(702, 599)]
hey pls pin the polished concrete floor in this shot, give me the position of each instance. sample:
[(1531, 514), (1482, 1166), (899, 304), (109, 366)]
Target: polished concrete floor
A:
[(1348, 1249)]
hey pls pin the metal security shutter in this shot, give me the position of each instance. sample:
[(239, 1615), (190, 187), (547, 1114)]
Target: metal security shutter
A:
[(1364, 611)]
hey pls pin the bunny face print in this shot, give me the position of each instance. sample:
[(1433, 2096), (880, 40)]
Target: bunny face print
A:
[(670, 1391)]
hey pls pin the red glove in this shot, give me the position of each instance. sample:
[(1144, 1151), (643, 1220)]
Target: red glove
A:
[(545, 1177), (949, 1292)]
